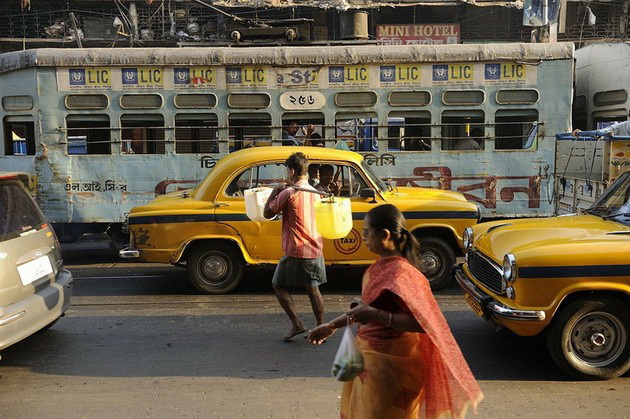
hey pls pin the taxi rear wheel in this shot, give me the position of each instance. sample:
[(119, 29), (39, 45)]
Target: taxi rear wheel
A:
[(436, 259), (214, 268), (590, 339)]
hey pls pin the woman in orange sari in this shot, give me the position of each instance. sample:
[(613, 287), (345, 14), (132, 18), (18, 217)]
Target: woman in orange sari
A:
[(413, 366)]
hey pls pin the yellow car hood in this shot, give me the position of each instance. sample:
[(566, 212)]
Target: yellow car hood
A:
[(579, 237), (429, 194)]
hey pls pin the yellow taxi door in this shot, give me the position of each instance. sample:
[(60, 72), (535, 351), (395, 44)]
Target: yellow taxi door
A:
[(262, 239), (351, 248)]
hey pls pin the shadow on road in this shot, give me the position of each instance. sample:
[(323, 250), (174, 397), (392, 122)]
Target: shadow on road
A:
[(241, 346)]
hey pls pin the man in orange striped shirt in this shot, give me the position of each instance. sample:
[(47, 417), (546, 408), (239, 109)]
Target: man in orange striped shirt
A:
[(303, 262)]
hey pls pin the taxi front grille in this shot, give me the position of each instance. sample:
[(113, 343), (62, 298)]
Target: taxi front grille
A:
[(485, 271)]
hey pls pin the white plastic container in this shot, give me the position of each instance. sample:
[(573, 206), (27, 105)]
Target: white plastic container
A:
[(255, 200), (334, 218)]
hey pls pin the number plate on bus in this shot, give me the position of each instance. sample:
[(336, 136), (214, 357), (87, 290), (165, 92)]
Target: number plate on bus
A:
[(35, 269), (474, 304)]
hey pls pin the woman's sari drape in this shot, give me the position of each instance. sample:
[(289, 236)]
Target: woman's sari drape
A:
[(417, 374)]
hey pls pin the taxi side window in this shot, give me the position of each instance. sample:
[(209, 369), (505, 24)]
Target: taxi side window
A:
[(256, 176), (341, 180)]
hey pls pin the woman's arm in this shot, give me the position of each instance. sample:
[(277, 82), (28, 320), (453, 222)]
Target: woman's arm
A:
[(322, 332), (364, 313)]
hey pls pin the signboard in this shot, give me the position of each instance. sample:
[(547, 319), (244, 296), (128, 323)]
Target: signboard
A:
[(198, 77), (367, 76), (302, 100), (418, 34), (246, 77), (89, 78), (142, 78)]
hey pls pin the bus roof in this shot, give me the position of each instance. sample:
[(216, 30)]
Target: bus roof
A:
[(283, 56)]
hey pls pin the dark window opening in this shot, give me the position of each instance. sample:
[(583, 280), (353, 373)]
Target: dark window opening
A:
[(409, 131), (249, 130), (142, 134), (196, 133), (19, 138), (515, 129), (88, 134), (463, 130)]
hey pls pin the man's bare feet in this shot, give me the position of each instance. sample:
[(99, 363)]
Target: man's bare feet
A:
[(295, 330)]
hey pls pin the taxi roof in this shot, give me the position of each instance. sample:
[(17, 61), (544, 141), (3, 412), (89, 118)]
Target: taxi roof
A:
[(232, 162)]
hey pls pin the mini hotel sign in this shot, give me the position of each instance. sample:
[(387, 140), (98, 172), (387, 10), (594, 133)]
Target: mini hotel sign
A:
[(418, 34)]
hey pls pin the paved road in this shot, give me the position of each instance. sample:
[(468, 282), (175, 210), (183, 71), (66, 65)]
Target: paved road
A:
[(138, 341)]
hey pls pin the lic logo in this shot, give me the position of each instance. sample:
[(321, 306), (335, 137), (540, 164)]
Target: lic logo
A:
[(388, 73), (77, 77), (440, 72), (335, 74), (130, 76), (182, 76), (233, 75), (493, 71)]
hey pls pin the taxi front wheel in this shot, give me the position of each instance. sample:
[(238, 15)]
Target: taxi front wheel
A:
[(436, 259), (214, 268), (590, 338)]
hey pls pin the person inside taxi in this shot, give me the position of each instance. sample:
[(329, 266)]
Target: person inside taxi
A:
[(303, 262), (313, 175), (327, 181)]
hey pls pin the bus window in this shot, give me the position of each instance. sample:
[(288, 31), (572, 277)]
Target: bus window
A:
[(463, 130), (196, 133), (512, 128), (249, 130), (358, 131), (409, 130), (603, 119), (142, 133), (303, 120), (88, 134), (17, 103), (19, 136)]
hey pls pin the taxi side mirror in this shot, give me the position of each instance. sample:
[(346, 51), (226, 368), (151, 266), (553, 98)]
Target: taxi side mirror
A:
[(369, 193)]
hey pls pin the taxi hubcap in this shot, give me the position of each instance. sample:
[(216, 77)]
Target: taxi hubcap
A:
[(215, 267), (430, 263), (597, 339)]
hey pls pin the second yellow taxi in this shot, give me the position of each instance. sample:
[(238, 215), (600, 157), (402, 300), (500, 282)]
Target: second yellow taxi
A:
[(207, 229)]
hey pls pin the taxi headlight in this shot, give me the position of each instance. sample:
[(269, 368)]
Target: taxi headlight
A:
[(468, 238), (509, 268), (479, 211)]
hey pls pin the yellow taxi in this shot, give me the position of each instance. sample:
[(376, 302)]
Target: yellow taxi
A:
[(207, 229), (566, 276)]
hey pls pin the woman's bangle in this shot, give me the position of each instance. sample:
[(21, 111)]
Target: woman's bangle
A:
[(389, 320)]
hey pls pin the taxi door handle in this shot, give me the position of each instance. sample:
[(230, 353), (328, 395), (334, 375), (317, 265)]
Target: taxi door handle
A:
[(221, 204)]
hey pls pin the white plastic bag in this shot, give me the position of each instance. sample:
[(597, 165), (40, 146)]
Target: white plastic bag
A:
[(348, 361)]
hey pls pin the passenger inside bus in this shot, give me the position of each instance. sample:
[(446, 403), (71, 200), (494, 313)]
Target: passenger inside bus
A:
[(472, 142), (295, 133)]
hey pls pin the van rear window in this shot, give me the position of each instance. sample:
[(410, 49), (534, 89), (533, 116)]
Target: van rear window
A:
[(18, 212)]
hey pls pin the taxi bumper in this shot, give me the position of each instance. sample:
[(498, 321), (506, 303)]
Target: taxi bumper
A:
[(490, 307)]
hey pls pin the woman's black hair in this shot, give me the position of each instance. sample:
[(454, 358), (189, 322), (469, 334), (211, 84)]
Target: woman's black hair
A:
[(388, 217)]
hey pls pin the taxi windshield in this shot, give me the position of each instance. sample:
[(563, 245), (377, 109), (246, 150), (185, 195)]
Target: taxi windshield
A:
[(374, 177), (615, 201)]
